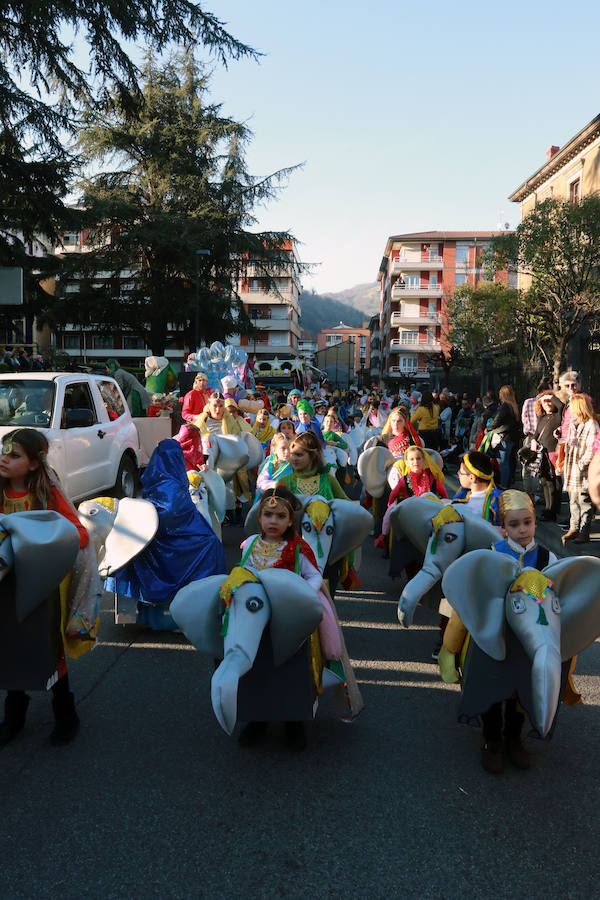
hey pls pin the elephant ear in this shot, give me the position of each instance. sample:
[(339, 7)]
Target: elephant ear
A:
[(479, 534), (352, 523), (197, 610), (576, 583), (256, 452), (45, 546), (296, 610), (232, 454), (411, 519), (475, 586), (372, 467), (136, 523)]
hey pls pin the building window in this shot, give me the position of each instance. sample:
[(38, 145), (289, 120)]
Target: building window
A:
[(433, 280), (279, 338), (575, 191), (409, 337), (255, 285), (408, 364), (103, 342), (462, 254), (459, 278), (133, 343), (71, 341), (333, 339)]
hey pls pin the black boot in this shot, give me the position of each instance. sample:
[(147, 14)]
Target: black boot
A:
[(66, 724), (15, 711)]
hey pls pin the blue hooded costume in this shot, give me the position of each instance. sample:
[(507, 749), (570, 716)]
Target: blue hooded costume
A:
[(184, 549)]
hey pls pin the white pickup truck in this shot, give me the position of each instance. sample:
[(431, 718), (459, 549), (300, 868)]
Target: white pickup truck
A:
[(95, 445)]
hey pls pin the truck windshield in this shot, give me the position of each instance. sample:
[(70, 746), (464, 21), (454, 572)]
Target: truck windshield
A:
[(26, 402)]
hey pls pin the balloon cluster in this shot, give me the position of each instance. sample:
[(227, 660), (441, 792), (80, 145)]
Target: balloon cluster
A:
[(217, 361)]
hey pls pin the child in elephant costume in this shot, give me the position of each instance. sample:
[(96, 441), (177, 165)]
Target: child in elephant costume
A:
[(50, 591), (485, 673)]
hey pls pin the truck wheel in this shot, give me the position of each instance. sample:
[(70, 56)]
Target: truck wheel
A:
[(126, 483)]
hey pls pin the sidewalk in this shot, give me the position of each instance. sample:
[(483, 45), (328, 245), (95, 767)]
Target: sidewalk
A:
[(548, 533)]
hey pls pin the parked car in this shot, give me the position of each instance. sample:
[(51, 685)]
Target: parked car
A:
[(95, 445)]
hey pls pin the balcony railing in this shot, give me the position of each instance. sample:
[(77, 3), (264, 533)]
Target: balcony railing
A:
[(397, 346), (416, 290), (426, 262), (402, 318)]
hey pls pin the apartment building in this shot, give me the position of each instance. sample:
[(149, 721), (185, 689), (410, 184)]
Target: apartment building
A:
[(330, 337), (307, 346), (417, 276), (275, 315)]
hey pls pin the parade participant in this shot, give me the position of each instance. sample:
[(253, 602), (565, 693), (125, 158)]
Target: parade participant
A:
[(276, 465), (425, 417), (331, 430), (185, 547), (138, 399), (292, 400), (398, 433), (160, 376), (421, 476), (263, 429), (286, 426), (579, 449), (310, 474), (477, 488), (307, 421), (218, 419), (241, 424), (196, 399), (284, 688), (517, 515), (26, 483)]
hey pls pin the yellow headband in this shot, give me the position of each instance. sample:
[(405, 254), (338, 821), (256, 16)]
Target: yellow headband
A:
[(477, 472), (446, 515), (514, 500)]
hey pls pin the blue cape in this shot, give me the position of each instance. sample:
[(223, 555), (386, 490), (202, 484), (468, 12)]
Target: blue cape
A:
[(184, 549)]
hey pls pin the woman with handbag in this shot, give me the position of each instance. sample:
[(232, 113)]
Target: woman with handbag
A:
[(579, 450), (548, 410), (504, 434)]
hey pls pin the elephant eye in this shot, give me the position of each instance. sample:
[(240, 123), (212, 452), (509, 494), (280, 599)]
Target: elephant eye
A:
[(307, 526), (555, 604), (518, 604), (93, 512), (253, 604), (329, 529), (450, 537)]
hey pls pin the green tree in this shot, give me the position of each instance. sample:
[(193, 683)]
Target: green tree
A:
[(557, 248), (178, 183), (42, 85), (482, 318)]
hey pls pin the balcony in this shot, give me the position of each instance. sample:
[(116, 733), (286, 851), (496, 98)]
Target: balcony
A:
[(398, 346), (401, 291), (428, 262), (398, 319)]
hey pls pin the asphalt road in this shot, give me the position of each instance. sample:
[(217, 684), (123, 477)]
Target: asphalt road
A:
[(154, 800)]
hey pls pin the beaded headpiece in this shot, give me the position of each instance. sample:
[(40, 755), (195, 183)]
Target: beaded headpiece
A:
[(514, 500)]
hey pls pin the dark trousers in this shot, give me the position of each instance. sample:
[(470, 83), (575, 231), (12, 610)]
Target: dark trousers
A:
[(492, 721), (552, 493), (59, 689)]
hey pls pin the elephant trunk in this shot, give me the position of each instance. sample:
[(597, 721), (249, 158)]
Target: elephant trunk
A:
[(244, 633), (545, 686), (416, 588)]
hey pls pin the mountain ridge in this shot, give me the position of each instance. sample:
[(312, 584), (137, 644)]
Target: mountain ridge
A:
[(353, 306)]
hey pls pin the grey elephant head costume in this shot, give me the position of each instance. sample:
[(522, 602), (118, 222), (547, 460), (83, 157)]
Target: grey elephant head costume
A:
[(275, 598), (443, 534), (118, 529), (332, 528), (527, 626), (376, 467)]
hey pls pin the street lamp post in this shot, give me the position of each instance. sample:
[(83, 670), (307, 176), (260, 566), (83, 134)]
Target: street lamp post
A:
[(199, 253)]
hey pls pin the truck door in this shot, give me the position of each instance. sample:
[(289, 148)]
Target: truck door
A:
[(86, 458)]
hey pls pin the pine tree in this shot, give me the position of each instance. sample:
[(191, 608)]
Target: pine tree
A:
[(177, 183)]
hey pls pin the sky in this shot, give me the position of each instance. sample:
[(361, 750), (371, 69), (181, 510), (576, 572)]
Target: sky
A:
[(405, 116)]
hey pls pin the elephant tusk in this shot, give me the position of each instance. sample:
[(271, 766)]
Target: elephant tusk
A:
[(545, 686)]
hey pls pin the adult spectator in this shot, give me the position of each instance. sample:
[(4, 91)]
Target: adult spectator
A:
[(548, 411), (504, 434), (426, 417), (579, 450), (529, 418), (462, 428), (445, 420)]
